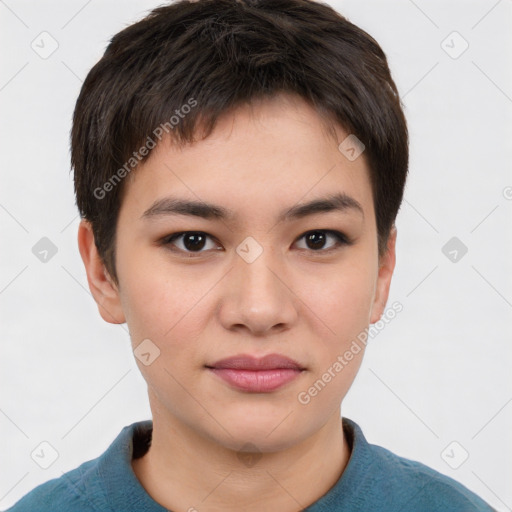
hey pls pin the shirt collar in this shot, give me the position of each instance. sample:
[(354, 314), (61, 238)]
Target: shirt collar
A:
[(123, 490)]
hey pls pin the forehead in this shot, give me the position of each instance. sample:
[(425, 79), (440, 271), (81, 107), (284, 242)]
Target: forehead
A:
[(260, 156)]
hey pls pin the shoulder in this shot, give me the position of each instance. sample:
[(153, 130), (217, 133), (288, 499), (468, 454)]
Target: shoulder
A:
[(72, 492), (422, 487), (405, 484), (106, 483)]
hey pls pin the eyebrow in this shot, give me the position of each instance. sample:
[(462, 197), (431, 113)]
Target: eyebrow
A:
[(167, 206)]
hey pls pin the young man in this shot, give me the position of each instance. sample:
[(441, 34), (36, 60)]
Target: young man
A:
[(239, 166)]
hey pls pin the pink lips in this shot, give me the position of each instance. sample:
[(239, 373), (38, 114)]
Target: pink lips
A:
[(257, 375)]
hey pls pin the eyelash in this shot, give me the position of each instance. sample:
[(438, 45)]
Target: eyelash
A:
[(342, 240)]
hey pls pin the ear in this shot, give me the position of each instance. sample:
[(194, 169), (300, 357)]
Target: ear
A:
[(386, 268), (102, 287)]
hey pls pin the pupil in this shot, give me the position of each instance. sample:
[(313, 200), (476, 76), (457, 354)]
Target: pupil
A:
[(194, 241), (319, 242)]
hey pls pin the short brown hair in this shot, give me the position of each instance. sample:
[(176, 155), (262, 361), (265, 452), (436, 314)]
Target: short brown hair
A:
[(212, 56)]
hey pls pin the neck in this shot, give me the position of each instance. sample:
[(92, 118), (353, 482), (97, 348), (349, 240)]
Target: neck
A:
[(184, 470)]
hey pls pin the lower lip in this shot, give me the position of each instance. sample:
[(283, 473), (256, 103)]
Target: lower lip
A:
[(257, 381)]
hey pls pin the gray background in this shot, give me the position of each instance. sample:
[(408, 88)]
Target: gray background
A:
[(438, 373)]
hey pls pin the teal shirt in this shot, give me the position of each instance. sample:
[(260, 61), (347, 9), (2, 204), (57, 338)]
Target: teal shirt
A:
[(374, 479)]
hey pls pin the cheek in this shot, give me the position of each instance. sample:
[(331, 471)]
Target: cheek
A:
[(342, 300), (342, 309), (167, 307), (162, 307), (152, 297)]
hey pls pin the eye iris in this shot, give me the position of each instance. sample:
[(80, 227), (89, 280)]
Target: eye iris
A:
[(316, 239), (194, 241)]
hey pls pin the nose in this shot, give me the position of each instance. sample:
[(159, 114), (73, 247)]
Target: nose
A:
[(258, 296)]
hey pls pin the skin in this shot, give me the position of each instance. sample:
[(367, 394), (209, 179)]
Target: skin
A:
[(198, 307)]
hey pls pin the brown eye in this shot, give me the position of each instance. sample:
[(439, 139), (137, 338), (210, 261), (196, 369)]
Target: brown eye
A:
[(194, 241), (188, 241), (316, 240)]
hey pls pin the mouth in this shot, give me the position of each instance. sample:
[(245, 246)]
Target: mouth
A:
[(257, 375)]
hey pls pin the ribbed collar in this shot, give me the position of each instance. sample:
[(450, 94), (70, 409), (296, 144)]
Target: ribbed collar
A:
[(123, 491)]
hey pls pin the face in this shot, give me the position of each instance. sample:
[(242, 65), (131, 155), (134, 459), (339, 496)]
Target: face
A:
[(248, 271)]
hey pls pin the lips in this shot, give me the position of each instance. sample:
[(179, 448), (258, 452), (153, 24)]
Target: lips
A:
[(256, 375), (247, 362)]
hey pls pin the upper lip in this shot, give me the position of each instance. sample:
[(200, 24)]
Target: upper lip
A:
[(248, 362)]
